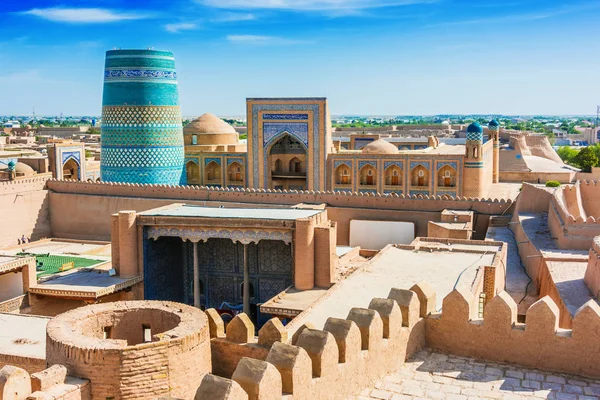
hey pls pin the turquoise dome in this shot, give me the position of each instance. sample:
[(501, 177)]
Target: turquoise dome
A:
[(493, 124), (475, 132), (11, 165)]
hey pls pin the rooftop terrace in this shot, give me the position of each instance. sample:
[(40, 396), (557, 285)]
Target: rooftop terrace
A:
[(289, 214)]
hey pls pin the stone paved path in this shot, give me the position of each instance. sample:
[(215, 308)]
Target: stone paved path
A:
[(437, 376)]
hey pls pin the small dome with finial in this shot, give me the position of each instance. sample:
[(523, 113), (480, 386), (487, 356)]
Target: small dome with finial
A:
[(475, 132)]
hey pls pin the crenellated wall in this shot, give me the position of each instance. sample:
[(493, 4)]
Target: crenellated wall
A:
[(592, 272), (333, 363), (349, 354), (499, 337), (574, 215)]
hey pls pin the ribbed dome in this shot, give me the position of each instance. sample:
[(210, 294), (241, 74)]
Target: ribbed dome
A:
[(380, 146), (208, 123), (21, 168)]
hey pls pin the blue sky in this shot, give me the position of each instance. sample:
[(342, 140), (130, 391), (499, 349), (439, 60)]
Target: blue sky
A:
[(384, 57)]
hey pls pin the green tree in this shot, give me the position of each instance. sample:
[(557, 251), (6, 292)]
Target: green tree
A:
[(567, 154), (587, 158)]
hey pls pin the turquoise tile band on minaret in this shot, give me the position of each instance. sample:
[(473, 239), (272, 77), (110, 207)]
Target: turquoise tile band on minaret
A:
[(142, 137)]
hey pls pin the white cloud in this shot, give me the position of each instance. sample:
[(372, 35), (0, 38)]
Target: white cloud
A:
[(309, 5), (234, 17), (181, 26), (83, 15), (263, 40)]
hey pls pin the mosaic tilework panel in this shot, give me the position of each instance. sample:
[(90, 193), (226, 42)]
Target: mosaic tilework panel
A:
[(297, 130), (76, 155), (475, 136), (361, 164), (237, 160), (126, 74), (442, 164), (209, 160), (424, 164), (144, 175), (141, 137), (388, 164), (342, 162), (148, 157), (150, 116), (285, 116), (392, 191)]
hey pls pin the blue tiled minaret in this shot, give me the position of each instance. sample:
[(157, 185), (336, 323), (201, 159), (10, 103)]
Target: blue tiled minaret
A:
[(142, 137)]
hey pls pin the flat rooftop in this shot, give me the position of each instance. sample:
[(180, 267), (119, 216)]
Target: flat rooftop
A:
[(23, 335), (236, 213), (83, 283), (540, 164), (398, 268)]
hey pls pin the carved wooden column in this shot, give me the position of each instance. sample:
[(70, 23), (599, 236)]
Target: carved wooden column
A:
[(196, 275), (246, 282)]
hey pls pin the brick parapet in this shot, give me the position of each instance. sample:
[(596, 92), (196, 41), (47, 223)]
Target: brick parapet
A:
[(539, 343), (369, 342)]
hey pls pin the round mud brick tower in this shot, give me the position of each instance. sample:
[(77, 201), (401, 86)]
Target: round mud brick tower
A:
[(133, 349)]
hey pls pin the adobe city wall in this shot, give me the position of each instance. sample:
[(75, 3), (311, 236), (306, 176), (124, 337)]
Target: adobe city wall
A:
[(592, 273), (538, 344), (24, 210), (81, 210)]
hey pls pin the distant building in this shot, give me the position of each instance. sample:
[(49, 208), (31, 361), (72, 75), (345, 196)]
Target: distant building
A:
[(290, 147)]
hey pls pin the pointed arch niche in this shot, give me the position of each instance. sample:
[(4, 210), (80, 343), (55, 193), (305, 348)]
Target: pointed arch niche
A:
[(287, 162)]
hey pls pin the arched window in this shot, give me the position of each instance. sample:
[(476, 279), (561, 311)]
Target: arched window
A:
[(447, 176), (368, 175), (419, 176), (278, 165), (342, 175), (234, 172), (296, 165), (475, 154), (212, 173), (393, 176), (192, 171)]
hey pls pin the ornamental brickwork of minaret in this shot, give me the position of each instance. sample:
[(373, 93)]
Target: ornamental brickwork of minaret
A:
[(473, 165), (494, 135)]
